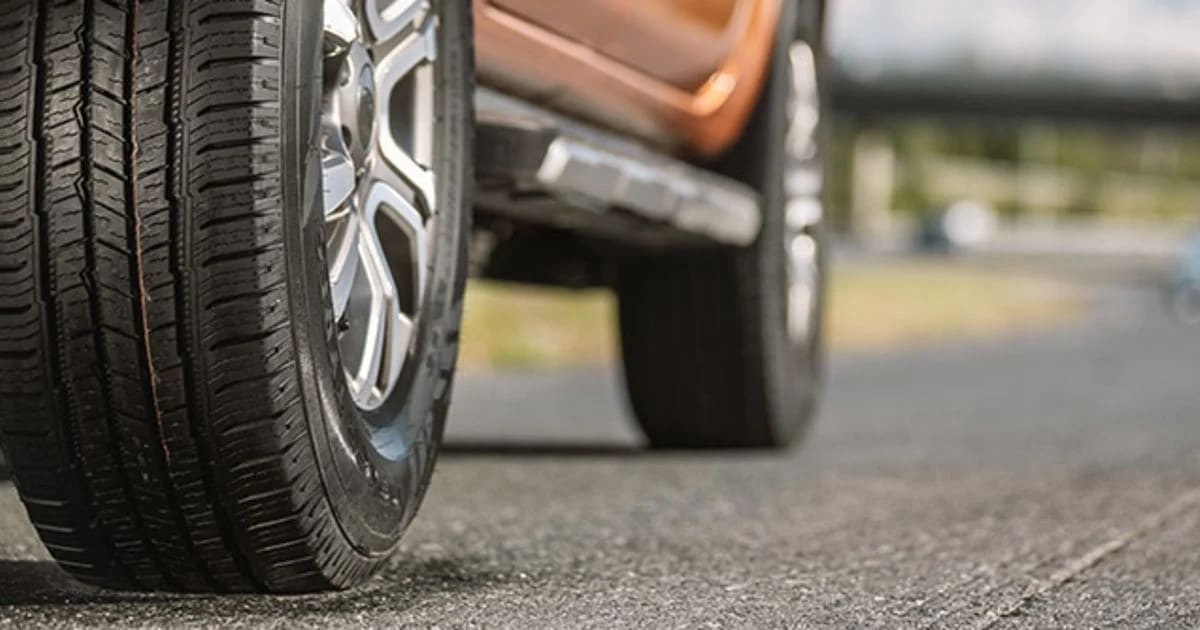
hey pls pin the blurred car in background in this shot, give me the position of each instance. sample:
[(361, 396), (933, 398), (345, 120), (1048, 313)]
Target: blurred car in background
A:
[(961, 226), (1183, 293)]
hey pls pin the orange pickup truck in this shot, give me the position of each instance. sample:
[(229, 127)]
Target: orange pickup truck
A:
[(235, 236)]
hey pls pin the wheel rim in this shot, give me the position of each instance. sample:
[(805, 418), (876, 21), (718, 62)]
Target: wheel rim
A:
[(803, 194), (379, 185)]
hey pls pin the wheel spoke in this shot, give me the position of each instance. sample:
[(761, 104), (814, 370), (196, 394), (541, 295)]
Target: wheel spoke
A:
[(399, 335), (367, 378), (405, 133), (341, 27), (339, 183), (344, 261), (382, 300), (406, 173), (413, 225), (386, 201), (390, 22), (398, 60)]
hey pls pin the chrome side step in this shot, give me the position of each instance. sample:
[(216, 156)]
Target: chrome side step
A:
[(538, 166)]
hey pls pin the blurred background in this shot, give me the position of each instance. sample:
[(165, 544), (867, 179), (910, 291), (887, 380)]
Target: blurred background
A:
[(1009, 436), (992, 168)]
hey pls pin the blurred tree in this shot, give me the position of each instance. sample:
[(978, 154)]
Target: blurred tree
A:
[(1052, 170)]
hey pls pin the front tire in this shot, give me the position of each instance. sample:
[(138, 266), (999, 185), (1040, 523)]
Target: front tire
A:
[(723, 349), (174, 399)]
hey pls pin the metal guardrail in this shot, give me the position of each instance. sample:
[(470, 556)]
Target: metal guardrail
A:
[(973, 100)]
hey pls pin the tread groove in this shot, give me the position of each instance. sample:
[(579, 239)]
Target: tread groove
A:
[(143, 327), (52, 316), (173, 113), (85, 189)]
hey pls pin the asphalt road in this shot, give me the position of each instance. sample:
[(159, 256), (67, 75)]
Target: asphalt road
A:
[(1047, 481)]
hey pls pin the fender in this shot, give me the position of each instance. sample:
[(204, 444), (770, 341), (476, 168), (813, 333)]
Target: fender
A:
[(633, 66)]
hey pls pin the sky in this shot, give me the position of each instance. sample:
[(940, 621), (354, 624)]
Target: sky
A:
[(1126, 46)]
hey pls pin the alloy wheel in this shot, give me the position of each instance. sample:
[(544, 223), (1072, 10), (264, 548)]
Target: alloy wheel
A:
[(380, 204)]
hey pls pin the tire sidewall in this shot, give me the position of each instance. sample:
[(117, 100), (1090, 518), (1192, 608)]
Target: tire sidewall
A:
[(372, 497)]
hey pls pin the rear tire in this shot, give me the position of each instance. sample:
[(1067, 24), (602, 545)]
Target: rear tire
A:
[(712, 357), (171, 394)]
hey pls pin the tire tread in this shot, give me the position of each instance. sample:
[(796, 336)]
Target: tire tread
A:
[(149, 398)]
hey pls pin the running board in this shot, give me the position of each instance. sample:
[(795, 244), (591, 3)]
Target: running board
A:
[(537, 166)]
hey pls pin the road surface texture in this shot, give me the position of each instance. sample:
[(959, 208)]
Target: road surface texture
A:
[(1047, 481)]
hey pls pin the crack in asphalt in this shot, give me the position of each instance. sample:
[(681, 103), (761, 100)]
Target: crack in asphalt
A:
[(1076, 566)]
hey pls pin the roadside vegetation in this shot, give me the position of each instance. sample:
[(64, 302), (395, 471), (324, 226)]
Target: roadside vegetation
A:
[(1030, 170), (873, 309)]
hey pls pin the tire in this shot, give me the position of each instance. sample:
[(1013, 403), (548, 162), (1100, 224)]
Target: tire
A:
[(172, 399), (709, 359)]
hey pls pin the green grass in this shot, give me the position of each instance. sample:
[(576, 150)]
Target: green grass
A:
[(871, 309), (514, 326), (885, 307)]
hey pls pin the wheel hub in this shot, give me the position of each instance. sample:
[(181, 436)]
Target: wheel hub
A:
[(352, 103), (379, 201)]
